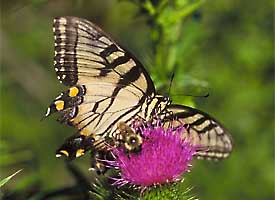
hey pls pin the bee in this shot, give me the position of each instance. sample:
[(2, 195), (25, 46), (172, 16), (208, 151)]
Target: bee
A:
[(127, 137)]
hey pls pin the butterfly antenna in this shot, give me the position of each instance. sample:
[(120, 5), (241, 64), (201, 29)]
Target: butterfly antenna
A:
[(171, 81)]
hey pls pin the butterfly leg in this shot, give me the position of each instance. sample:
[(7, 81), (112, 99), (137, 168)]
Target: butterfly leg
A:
[(98, 160)]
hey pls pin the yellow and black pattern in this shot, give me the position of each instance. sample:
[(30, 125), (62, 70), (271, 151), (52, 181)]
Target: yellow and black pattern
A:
[(75, 146), (67, 103), (108, 85), (203, 130)]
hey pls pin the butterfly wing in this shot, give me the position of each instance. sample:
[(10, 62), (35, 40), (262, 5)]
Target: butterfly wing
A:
[(214, 140), (107, 83), (83, 52)]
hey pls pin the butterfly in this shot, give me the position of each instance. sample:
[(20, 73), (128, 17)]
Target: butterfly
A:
[(108, 85)]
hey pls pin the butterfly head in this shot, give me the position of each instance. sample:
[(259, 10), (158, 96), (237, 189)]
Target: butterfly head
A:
[(167, 100), (160, 104)]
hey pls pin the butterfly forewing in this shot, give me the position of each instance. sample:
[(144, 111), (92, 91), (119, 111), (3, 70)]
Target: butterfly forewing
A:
[(83, 53), (213, 139)]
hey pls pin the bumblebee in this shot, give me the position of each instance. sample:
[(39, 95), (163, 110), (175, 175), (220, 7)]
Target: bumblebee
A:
[(128, 138)]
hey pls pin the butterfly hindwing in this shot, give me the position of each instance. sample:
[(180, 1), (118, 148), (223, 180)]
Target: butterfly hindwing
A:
[(214, 140)]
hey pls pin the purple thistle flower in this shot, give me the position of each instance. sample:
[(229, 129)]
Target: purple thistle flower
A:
[(164, 157)]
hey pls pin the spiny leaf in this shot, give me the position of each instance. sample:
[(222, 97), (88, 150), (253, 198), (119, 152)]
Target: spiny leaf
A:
[(169, 191)]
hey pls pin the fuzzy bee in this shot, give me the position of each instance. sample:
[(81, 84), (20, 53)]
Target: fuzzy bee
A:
[(127, 137)]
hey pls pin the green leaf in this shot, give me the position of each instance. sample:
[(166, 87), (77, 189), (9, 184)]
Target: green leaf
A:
[(5, 180)]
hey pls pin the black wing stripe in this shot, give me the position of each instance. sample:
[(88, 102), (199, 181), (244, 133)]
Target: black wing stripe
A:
[(207, 128), (184, 114), (119, 61), (115, 63), (109, 50), (198, 121)]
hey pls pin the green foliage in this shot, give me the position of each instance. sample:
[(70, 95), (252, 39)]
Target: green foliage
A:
[(165, 19), (225, 48), (174, 191)]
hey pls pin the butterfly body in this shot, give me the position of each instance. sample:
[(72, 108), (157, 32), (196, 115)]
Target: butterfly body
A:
[(108, 85)]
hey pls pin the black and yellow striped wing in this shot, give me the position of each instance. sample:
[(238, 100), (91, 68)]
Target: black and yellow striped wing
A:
[(203, 130), (84, 53), (107, 84)]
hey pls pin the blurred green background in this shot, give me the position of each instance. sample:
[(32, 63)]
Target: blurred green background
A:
[(225, 48)]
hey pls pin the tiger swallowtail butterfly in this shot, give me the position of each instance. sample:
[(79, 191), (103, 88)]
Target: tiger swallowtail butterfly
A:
[(108, 85)]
